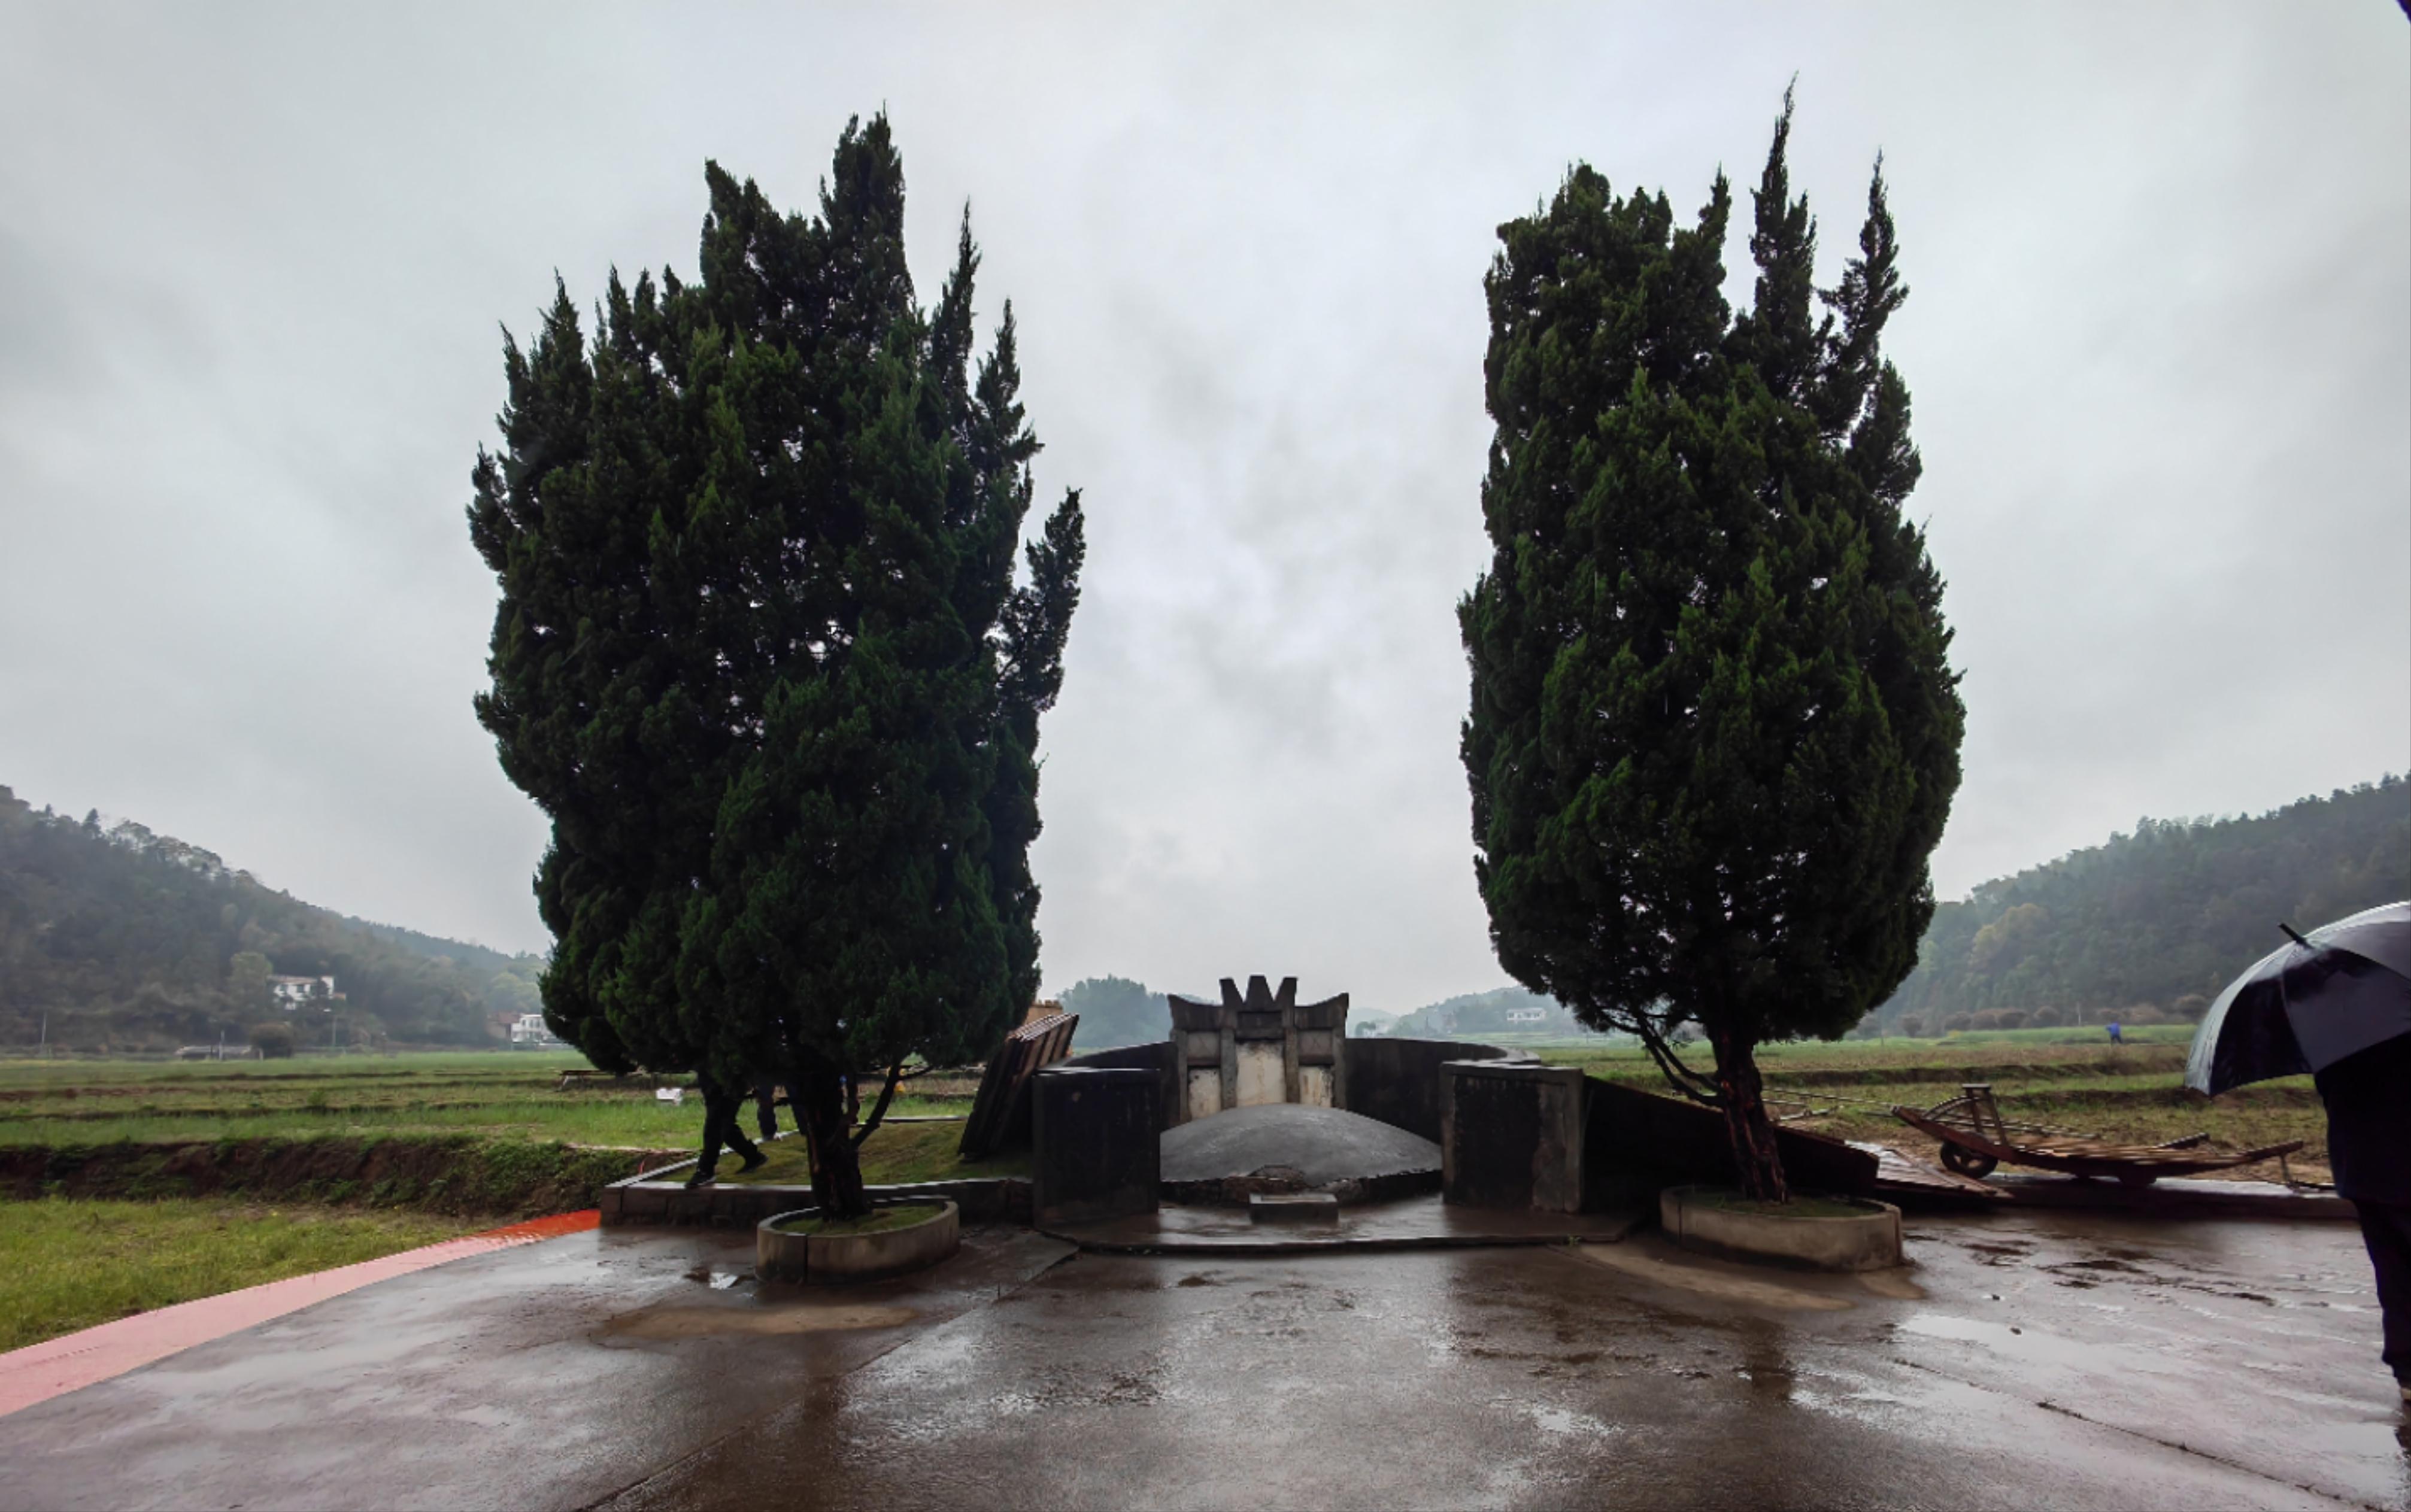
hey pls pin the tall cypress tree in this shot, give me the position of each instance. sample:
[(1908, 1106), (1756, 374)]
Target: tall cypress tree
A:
[(1714, 733), (780, 691)]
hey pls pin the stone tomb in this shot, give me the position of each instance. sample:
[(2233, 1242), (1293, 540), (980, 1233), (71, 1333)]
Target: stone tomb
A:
[(1263, 1048)]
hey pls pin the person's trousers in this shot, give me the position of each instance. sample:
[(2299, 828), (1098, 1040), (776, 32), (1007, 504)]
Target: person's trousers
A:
[(722, 1129), (2386, 1229), (766, 1106)]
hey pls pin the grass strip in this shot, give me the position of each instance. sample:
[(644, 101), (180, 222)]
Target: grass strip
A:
[(70, 1264)]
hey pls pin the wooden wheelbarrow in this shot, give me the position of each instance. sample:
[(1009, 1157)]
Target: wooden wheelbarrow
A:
[(1976, 1139)]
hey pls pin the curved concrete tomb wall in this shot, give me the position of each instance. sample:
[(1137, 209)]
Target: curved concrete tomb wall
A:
[(1397, 1081)]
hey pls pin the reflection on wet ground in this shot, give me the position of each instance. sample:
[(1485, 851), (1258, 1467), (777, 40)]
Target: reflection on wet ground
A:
[(2026, 1360), (1627, 1373)]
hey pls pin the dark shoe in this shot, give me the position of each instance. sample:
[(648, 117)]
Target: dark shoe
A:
[(753, 1162), (701, 1178)]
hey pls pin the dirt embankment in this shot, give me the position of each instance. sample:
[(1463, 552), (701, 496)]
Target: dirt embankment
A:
[(456, 1175)]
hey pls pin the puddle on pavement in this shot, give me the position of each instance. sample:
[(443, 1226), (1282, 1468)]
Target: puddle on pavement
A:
[(2011, 1339), (1894, 1285), (677, 1321), (1708, 1279)]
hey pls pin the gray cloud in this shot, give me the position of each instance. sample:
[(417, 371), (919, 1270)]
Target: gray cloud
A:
[(251, 265)]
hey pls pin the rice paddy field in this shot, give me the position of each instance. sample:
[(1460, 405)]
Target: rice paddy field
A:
[(513, 1093), (2070, 1078)]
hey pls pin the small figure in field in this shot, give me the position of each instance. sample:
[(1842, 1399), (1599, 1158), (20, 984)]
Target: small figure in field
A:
[(721, 1129), (2116, 1038), (2369, 1148)]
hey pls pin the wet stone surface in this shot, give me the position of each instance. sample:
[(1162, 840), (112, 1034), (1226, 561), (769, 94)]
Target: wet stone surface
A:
[(2023, 1360)]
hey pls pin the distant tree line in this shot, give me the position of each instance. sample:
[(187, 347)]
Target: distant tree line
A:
[(1470, 1014), (2151, 925), (130, 940), (1116, 1010)]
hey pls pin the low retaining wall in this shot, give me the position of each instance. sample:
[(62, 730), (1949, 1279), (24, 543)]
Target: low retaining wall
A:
[(842, 1259), (643, 1201), (1637, 1143), (1868, 1240)]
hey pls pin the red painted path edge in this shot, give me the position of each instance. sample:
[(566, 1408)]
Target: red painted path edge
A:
[(56, 1366)]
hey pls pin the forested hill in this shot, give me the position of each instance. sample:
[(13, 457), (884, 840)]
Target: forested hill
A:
[(129, 941), (2153, 923)]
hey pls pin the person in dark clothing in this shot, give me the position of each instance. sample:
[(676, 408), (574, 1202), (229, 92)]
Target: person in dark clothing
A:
[(766, 1104), (721, 1129), (2368, 1097)]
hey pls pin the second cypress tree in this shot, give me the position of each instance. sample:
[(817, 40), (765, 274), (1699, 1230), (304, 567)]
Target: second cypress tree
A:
[(1714, 734)]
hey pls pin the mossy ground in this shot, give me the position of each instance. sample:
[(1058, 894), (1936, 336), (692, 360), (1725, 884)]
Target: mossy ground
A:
[(881, 1221)]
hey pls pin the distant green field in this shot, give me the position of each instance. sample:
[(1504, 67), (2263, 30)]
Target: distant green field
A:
[(493, 1092)]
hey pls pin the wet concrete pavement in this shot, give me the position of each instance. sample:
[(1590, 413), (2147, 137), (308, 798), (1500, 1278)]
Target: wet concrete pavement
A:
[(2026, 1360), (547, 1377), (1409, 1222)]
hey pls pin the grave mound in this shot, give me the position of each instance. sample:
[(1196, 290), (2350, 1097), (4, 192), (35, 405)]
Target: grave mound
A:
[(1294, 1147)]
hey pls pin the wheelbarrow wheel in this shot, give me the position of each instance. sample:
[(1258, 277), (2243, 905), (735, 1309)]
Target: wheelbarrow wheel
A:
[(1966, 1162)]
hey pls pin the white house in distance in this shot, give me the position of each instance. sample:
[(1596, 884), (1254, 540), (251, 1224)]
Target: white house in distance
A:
[(529, 1029), (294, 992)]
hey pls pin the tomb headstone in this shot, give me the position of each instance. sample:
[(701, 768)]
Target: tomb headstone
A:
[(1259, 1047)]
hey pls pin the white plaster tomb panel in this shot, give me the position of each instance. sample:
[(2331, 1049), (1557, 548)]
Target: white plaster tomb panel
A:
[(1204, 1094), (1314, 1086), (1260, 1072)]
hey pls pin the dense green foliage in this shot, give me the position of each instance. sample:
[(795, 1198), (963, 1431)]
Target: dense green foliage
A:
[(760, 653), (132, 940), (1116, 1010), (1714, 733), (2153, 923), (1501, 1010)]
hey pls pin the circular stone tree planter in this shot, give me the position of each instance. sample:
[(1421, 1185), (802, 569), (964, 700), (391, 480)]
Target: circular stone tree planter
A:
[(786, 1249), (1812, 1234)]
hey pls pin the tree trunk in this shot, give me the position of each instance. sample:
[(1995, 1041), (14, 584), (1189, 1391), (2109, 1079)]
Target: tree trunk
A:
[(817, 1094), (1746, 1124)]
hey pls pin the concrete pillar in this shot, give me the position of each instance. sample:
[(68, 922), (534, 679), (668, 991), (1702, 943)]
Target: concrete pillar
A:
[(1094, 1154), (1512, 1135)]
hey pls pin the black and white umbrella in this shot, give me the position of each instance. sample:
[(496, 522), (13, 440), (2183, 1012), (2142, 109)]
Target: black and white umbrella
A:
[(2310, 1003)]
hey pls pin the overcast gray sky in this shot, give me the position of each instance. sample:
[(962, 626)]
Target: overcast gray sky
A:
[(253, 259)]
